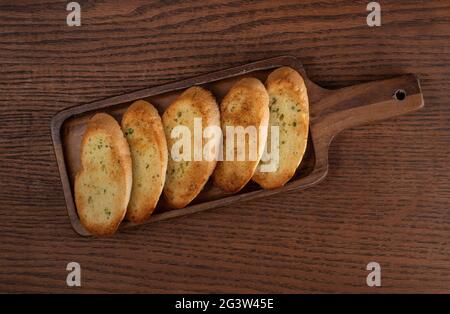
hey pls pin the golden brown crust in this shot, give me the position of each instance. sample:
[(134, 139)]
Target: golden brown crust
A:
[(289, 109), (246, 104), (105, 167), (185, 179), (144, 131)]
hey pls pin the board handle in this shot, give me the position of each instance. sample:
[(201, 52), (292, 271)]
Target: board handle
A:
[(364, 103)]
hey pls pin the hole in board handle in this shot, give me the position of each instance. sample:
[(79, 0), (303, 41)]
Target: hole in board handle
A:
[(399, 94)]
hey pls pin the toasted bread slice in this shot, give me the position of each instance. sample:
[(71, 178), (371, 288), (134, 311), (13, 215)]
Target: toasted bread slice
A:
[(185, 179), (289, 110), (245, 105), (143, 129), (103, 183)]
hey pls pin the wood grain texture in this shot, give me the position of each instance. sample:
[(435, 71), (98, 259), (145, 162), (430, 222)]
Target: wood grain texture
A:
[(386, 197)]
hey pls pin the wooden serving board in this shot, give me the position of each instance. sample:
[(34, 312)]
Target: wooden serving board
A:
[(331, 111)]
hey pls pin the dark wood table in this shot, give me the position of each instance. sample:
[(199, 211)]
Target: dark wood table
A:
[(386, 198)]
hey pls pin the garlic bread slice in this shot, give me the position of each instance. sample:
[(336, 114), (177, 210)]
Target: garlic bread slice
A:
[(144, 132), (186, 178), (103, 183), (289, 110), (245, 106)]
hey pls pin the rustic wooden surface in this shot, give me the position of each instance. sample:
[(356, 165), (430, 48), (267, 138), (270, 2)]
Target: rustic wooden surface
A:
[(386, 197)]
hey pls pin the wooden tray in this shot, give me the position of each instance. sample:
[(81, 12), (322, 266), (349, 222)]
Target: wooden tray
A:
[(331, 111)]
